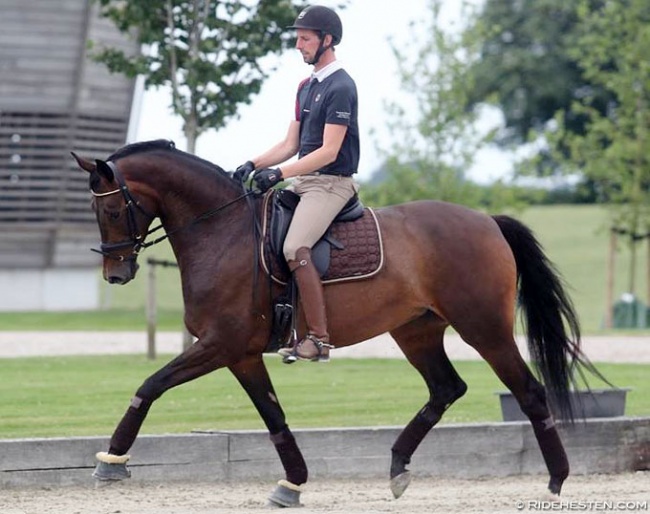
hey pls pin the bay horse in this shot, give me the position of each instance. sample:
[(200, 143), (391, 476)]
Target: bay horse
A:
[(445, 265)]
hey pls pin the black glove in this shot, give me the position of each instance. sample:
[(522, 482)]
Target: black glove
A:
[(243, 172), (266, 178)]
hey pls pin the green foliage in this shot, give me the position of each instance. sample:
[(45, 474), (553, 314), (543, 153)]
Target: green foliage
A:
[(613, 49), (436, 139), (401, 183), (85, 396), (213, 53), (420, 181), (526, 67)]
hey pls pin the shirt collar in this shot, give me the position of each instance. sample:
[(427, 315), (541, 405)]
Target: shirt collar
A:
[(325, 72)]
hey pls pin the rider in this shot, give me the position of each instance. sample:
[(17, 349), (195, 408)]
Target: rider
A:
[(325, 135)]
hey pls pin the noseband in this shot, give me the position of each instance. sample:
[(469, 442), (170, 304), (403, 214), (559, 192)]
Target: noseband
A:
[(137, 242)]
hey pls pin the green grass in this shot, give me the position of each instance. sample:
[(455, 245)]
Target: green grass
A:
[(575, 238), (102, 320), (82, 396)]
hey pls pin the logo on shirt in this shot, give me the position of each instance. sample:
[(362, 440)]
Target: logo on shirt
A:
[(317, 98), (343, 115)]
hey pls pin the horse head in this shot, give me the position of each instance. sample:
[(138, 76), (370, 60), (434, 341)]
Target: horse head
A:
[(123, 217), (147, 180)]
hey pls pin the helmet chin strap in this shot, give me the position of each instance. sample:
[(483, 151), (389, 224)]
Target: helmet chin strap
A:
[(319, 52)]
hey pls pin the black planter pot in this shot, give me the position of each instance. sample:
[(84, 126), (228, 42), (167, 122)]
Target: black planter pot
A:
[(597, 403)]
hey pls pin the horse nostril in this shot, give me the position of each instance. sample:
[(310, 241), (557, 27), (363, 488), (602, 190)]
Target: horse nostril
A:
[(115, 280)]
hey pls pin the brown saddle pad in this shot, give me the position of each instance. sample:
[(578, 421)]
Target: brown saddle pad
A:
[(362, 255)]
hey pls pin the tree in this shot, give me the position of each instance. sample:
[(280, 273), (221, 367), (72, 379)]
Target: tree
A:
[(526, 67), (435, 139), (212, 53), (613, 51)]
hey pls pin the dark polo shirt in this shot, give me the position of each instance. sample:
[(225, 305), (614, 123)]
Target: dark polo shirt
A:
[(334, 100)]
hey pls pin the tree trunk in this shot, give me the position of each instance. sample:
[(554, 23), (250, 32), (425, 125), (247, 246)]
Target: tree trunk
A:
[(191, 136), (647, 271), (632, 276), (611, 266)]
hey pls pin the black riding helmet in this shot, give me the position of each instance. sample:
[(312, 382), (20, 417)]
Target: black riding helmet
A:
[(323, 20)]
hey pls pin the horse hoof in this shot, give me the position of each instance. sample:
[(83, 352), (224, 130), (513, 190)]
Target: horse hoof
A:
[(286, 494), (399, 483), (111, 468), (105, 472), (555, 487), (548, 496)]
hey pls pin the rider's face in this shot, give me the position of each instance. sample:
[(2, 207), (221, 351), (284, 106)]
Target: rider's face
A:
[(307, 43)]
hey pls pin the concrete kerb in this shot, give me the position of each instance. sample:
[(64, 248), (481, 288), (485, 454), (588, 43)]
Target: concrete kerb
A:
[(459, 450)]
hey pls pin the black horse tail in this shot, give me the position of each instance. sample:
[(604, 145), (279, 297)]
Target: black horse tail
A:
[(549, 317)]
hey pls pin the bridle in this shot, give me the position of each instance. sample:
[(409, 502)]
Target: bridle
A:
[(137, 242)]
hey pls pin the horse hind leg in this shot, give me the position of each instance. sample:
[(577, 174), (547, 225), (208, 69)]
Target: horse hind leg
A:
[(422, 344), (531, 396)]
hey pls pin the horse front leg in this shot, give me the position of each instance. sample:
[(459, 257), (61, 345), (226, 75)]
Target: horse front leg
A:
[(254, 378), (198, 360)]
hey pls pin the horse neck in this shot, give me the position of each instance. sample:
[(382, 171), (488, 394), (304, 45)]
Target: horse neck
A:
[(183, 191)]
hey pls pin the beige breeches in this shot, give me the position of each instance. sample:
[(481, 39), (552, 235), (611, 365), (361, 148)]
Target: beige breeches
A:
[(321, 198)]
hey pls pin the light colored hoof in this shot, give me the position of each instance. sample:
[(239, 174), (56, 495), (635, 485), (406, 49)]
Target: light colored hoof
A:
[(399, 483), (285, 495), (111, 468)]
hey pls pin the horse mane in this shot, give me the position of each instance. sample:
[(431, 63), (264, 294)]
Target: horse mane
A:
[(143, 146), (163, 144)]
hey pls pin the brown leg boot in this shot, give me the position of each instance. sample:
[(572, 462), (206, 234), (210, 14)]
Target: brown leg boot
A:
[(315, 346)]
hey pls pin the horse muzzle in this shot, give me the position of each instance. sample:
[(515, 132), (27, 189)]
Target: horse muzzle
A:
[(120, 272)]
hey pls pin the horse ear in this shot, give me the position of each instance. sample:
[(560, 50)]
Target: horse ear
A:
[(105, 170), (84, 164)]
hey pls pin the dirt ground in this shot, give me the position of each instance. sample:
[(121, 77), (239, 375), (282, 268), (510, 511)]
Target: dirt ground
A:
[(624, 492), (25, 344)]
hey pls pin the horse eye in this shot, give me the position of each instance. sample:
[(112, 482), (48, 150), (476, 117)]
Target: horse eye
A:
[(112, 215)]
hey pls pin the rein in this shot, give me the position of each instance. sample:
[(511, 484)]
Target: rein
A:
[(137, 241)]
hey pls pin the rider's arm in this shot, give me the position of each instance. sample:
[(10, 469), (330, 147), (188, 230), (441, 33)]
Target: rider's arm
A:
[(282, 151), (333, 136)]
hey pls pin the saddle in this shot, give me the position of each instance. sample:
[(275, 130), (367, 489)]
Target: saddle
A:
[(351, 249)]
